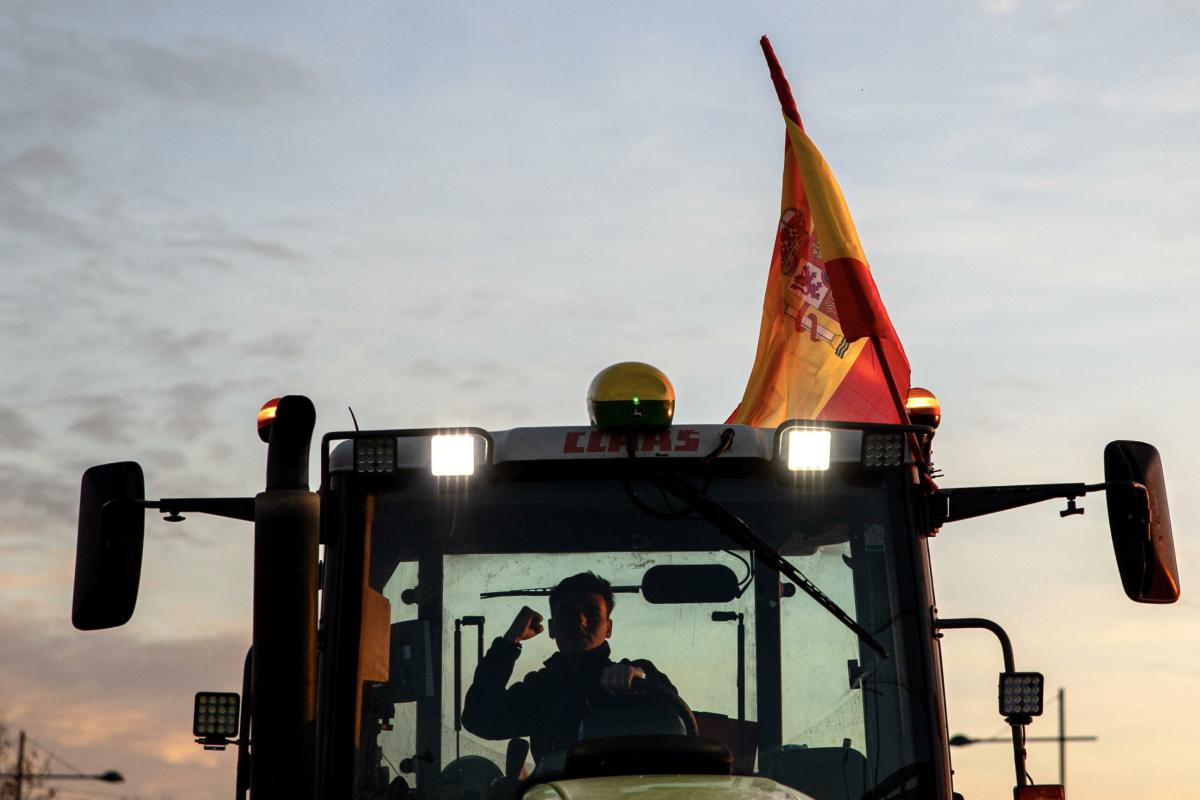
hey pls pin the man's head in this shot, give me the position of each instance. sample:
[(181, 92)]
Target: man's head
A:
[(579, 613)]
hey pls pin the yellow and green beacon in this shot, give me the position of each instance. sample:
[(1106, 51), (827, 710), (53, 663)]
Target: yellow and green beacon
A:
[(630, 395)]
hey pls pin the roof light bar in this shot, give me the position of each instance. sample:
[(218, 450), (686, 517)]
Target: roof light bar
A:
[(807, 450)]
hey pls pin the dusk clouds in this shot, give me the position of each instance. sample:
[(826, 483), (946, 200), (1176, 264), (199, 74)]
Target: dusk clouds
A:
[(459, 215)]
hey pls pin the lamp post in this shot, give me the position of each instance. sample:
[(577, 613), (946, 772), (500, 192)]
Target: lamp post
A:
[(962, 740), (21, 776)]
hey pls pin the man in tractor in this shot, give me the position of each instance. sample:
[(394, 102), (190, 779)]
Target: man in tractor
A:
[(561, 693)]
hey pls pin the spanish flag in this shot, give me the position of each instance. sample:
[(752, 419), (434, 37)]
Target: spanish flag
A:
[(826, 347)]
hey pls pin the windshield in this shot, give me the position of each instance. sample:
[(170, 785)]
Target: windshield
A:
[(756, 665)]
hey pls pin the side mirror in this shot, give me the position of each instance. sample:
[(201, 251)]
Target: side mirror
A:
[(689, 583), (1140, 522), (108, 552)]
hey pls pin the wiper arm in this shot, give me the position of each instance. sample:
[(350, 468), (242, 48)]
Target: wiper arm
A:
[(542, 591), (735, 528)]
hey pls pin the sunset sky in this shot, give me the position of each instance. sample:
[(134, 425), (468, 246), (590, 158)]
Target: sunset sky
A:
[(458, 213)]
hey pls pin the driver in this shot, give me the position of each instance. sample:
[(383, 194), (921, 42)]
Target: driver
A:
[(580, 607)]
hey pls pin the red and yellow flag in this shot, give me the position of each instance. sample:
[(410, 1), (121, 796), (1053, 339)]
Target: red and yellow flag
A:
[(826, 346)]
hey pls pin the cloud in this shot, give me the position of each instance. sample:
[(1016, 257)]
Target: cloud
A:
[(108, 419), (107, 700), (191, 408), (16, 433), (214, 237), (35, 501), (180, 348), (33, 183), (276, 347), (57, 80), (1170, 93), (40, 168), (245, 245), (1000, 7), (209, 72)]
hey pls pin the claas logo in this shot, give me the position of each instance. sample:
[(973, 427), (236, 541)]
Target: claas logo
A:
[(683, 440)]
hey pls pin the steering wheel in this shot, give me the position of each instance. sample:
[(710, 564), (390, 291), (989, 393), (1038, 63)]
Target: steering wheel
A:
[(647, 708)]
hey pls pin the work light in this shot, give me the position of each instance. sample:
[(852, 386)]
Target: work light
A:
[(375, 455), (1021, 694), (215, 715), (807, 449), (452, 454), (882, 449)]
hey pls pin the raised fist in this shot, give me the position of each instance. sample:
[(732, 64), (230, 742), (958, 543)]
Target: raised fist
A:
[(526, 625)]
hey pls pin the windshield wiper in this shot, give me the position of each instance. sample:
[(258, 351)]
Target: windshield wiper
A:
[(542, 591), (735, 528)]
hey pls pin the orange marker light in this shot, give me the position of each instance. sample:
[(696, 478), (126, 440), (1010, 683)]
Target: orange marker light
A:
[(266, 418), (923, 407)]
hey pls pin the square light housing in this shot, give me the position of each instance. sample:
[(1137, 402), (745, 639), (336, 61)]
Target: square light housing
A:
[(452, 454), (216, 715), (1021, 694), (376, 455), (881, 449), (807, 449)]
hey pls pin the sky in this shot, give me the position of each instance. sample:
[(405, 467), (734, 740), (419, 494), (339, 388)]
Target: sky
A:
[(457, 213)]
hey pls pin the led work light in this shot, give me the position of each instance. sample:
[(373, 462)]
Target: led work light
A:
[(375, 455), (452, 454), (882, 449), (807, 450), (1021, 694), (215, 715)]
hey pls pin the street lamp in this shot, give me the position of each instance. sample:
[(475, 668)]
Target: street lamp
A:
[(112, 776), (962, 740), (21, 776)]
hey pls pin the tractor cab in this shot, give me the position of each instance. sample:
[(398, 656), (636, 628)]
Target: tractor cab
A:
[(817, 677)]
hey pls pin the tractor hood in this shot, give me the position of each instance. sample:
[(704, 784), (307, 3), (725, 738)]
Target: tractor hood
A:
[(664, 787)]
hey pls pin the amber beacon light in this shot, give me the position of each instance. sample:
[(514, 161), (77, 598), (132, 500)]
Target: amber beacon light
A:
[(266, 418), (923, 407)]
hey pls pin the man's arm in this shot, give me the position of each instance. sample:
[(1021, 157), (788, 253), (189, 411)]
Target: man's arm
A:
[(490, 710)]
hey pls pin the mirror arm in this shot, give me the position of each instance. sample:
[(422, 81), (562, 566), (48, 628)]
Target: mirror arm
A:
[(951, 505), (174, 507)]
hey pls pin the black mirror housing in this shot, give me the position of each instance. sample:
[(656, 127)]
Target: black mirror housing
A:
[(108, 551), (689, 583), (1140, 522)]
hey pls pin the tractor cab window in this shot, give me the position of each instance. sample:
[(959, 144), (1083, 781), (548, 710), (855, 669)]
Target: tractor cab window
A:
[(702, 644)]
